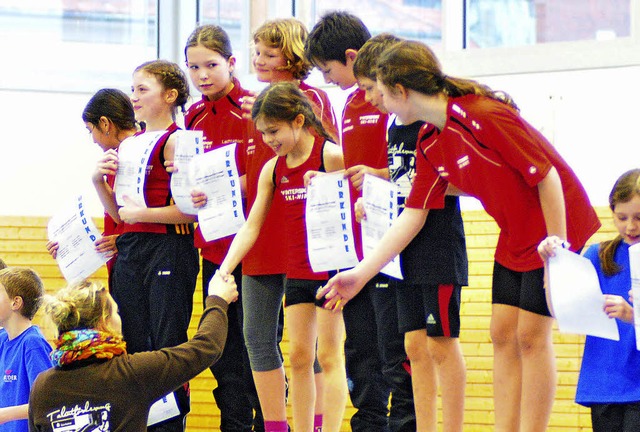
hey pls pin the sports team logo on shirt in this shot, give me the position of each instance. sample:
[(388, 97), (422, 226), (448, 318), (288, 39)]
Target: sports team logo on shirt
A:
[(9, 376)]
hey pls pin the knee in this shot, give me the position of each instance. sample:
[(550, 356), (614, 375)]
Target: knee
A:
[(415, 346), (263, 357), (532, 340), (330, 360), (301, 358), (503, 335), (443, 349)]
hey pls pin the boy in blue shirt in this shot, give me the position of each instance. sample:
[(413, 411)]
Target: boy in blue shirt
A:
[(24, 352)]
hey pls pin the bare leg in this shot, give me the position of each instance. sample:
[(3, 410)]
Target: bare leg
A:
[(331, 358), (538, 370), (319, 381), (507, 368), (423, 378), (271, 392), (447, 357), (301, 321)]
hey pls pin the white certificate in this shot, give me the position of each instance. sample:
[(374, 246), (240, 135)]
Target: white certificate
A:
[(188, 145), (634, 266), (133, 158), (380, 200), (215, 173), (76, 235), (576, 298), (330, 241), (163, 409)]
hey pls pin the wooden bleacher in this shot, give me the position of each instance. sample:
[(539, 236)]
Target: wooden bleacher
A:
[(22, 243)]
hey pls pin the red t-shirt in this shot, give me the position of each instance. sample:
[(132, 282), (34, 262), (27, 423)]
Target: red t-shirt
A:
[(364, 142), (488, 151), (289, 183), (222, 123)]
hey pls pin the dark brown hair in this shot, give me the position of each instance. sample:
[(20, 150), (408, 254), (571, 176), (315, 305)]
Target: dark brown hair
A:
[(414, 66), (284, 101)]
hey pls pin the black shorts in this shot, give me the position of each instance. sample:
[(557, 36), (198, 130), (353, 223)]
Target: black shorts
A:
[(298, 291), (524, 290), (435, 308)]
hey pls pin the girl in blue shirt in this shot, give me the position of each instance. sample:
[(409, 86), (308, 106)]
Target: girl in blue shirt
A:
[(609, 381)]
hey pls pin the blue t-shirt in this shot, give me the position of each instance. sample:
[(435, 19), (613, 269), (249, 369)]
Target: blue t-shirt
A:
[(610, 371), (21, 360)]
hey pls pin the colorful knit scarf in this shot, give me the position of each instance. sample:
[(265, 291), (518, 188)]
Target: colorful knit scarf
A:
[(78, 345)]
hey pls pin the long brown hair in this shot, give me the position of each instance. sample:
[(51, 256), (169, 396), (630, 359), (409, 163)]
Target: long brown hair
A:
[(625, 188), (284, 101), (413, 65)]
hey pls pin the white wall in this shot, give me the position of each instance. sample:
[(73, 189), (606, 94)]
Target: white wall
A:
[(48, 156)]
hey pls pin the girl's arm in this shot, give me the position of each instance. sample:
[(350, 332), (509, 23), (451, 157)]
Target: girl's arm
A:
[(356, 174), (107, 165), (345, 285), (15, 412), (552, 203), (332, 157), (133, 213), (248, 233)]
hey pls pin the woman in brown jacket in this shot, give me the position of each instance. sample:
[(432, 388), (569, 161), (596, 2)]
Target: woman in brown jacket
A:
[(96, 385)]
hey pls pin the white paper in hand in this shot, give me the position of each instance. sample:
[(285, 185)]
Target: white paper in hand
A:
[(330, 243), (634, 265), (76, 235), (576, 297), (188, 146)]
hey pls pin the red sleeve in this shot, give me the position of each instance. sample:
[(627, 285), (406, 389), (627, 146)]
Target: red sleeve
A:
[(428, 189)]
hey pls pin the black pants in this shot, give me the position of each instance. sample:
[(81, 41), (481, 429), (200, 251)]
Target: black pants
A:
[(235, 395), (376, 361), (153, 281)]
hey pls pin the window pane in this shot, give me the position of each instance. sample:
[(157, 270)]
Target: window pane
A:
[(412, 19), (228, 14), (501, 23), (75, 45)]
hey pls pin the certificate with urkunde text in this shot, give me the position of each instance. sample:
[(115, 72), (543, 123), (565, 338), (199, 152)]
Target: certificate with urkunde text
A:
[(133, 160), (188, 145), (380, 200), (328, 222), (76, 234), (215, 173)]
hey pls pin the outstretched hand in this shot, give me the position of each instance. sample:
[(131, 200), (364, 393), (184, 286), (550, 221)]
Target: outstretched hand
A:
[(340, 289), (223, 287)]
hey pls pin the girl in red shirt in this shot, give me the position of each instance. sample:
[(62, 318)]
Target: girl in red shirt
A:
[(289, 126), (476, 141)]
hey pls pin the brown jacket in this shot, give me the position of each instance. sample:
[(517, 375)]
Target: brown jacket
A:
[(115, 395)]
